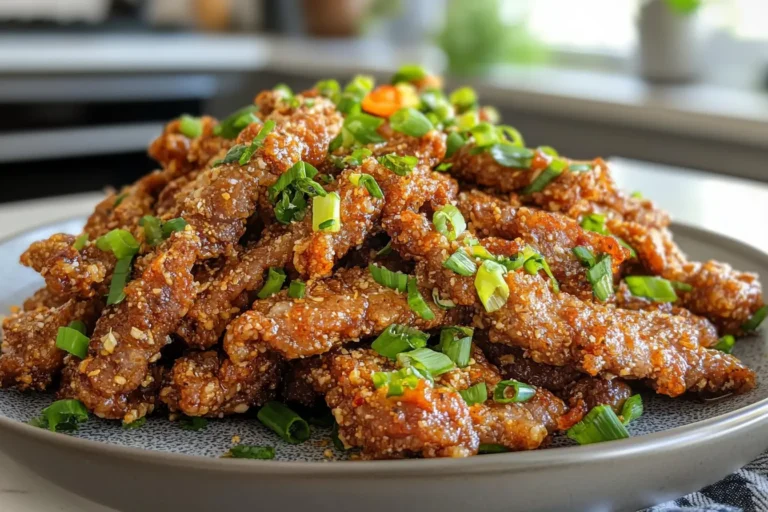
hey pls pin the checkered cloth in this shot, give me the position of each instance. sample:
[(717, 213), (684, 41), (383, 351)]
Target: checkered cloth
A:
[(744, 491)]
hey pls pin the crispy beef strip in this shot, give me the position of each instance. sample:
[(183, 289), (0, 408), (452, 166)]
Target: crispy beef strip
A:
[(572, 193), (43, 298), (30, 358), (725, 296), (346, 307), (209, 384), (560, 329), (554, 236), (426, 421), (179, 155), (129, 335)]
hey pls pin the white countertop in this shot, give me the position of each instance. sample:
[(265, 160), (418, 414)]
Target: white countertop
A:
[(737, 208)]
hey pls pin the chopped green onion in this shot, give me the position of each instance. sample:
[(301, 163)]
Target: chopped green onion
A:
[(442, 303), (386, 250), (533, 262), (489, 448), (363, 128), (460, 263), (120, 277), (585, 256), (78, 325), (654, 288), (509, 155), (249, 451), (257, 142), (120, 242), (551, 173), (326, 178), (119, 199), (632, 252), (456, 343), (326, 225), (549, 151), (410, 122), (463, 99), (491, 286), (600, 276), (385, 277), (153, 231), (173, 225), (454, 142), (511, 135), (190, 126), (725, 344), (595, 222), (580, 167), (400, 165), (416, 301), (285, 91), (369, 182), (520, 392), (756, 319), (637, 194), (233, 155), (72, 340), (409, 73), (632, 409), (329, 88), (193, 423), (275, 280), (80, 242), (298, 171), (284, 421), (356, 158), (335, 439), (426, 359), (63, 415), (397, 381), (443, 167), (353, 94), (297, 289), (233, 124), (599, 425), (476, 394), (681, 286), (135, 424), (485, 135), (467, 120), (449, 214), (399, 338)]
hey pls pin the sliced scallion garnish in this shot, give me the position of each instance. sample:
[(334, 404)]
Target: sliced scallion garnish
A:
[(599, 425), (362, 128), (464, 98), (369, 182), (257, 142), (492, 288), (442, 303), (595, 222), (446, 216), (547, 176), (193, 423), (755, 320), (153, 231), (426, 359), (80, 242), (400, 165), (476, 394), (416, 301), (71, 339), (119, 278), (233, 124), (63, 416), (397, 381), (233, 155), (410, 122), (585, 256), (650, 287), (509, 155), (600, 276), (725, 344), (275, 280), (460, 263), (389, 278), (326, 213), (454, 142), (284, 421), (297, 289), (512, 391), (173, 225), (632, 409), (456, 343), (190, 126), (399, 338), (409, 73), (249, 451), (120, 242), (488, 448), (329, 88)]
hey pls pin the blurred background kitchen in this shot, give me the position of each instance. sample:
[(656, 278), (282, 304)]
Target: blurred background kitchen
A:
[(86, 84)]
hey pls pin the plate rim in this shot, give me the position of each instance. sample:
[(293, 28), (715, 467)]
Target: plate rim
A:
[(703, 431)]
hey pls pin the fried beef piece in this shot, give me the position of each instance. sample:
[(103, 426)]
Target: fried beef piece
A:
[(426, 421), (129, 336), (725, 296), (346, 307), (572, 193), (207, 384), (30, 358), (553, 235), (561, 330), (179, 154), (43, 298), (67, 271), (221, 199), (513, 364), (589, 392)]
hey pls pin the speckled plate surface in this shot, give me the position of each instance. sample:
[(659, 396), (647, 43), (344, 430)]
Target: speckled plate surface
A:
[(677, 446)]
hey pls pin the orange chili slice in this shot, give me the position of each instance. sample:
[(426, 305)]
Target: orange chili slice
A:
[(382, 101)]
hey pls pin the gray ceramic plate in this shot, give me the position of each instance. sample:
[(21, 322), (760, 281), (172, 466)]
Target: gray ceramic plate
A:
[(678, 446)]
